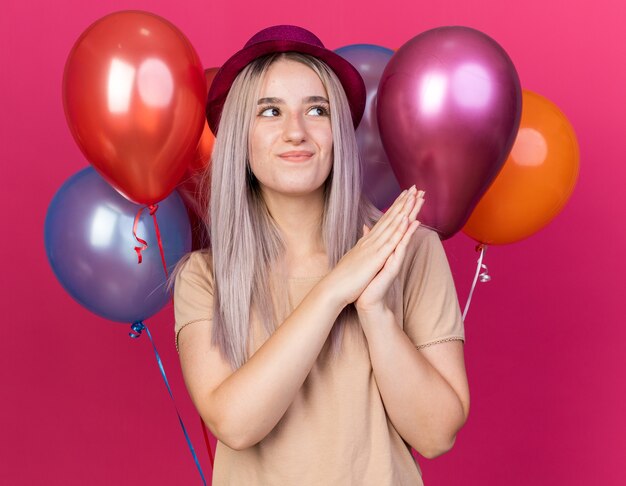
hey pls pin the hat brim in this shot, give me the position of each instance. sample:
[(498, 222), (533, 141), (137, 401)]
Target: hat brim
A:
[(348, 75)]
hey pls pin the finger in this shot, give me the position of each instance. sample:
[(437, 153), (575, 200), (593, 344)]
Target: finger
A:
[(392, 233), (395, 260), (409, 204), (393, 211), (385, 227), (408, 210), (412, 201), (388, 241), (407, 235), (416, 208)]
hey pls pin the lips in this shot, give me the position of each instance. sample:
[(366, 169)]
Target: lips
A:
[(296, 155)]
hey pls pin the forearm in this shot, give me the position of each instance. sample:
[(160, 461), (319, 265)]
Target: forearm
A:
[(422, 406), (256, 396)]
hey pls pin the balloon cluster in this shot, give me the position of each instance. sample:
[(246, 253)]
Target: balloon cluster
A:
[(446, 112), (133, 93)]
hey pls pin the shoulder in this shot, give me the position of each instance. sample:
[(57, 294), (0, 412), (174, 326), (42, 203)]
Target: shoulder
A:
[(431, 307), (195, 268), (193, 290), (202, 258), (199, 261), (425, 236), (424, 242)]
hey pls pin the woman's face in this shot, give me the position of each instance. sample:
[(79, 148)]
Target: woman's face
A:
[(291, 138)]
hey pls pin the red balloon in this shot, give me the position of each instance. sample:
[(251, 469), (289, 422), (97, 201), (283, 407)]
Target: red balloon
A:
[(134, 93), (193, 188), (449, 105), (205, 146)]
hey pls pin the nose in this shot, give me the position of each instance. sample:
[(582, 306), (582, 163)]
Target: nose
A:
[(293, 129)]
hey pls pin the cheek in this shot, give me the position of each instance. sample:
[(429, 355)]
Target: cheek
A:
[(329, 148), (325, 140), (262, 140), (258, 147)]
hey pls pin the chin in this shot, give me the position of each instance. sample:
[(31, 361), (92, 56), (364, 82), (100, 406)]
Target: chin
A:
[(295, 190)]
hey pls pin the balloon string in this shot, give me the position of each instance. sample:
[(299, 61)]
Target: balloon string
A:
[(153, 210), (484, 277), (144, 244), (137, 328), (206, 441)]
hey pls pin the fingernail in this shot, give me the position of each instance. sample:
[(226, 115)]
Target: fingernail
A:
[(413, 188), (421, 194)]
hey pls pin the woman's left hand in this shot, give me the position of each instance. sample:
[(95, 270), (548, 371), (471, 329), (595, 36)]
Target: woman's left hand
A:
[(372, 298)]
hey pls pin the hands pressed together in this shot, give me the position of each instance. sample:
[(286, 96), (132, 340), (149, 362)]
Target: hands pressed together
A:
[(365, 273)]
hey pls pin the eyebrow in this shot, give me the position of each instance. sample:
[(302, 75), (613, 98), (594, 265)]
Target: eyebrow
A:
[(278, 101)]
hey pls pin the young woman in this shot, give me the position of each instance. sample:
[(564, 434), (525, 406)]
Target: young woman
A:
[(319, 339)]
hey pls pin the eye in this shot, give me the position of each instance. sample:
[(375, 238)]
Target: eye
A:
[(269, 111), (319, 110)]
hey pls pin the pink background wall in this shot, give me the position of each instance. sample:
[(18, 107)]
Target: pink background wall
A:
[(84, 404)]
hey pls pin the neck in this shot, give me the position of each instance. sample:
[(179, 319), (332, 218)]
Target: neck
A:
[(299, 218)]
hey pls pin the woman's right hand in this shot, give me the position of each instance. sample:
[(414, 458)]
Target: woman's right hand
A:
[(359, 266)]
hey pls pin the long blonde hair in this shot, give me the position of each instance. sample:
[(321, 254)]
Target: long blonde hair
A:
[(247, 248)]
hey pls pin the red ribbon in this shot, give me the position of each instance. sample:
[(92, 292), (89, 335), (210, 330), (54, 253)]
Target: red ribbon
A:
[(206, 441), (153, 209)]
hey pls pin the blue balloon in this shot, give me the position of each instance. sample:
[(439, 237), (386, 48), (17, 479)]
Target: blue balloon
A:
[(379, 181), (90, 245)]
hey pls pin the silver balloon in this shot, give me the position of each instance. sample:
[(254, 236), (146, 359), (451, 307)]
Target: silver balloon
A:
[(379, 181), (90, 245)]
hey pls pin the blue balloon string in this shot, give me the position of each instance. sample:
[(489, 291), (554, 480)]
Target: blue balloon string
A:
[(138, 327)]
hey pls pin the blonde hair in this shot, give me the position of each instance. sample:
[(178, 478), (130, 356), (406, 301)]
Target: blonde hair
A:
[(246, 245)]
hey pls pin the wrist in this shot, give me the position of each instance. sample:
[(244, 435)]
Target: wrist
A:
[(330, 294), (376, 322), (372, 312)]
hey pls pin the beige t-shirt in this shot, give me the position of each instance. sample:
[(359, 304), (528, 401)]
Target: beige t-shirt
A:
[(336, 431)]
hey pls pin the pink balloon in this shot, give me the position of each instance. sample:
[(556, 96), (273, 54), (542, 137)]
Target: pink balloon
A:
[(449, 106)]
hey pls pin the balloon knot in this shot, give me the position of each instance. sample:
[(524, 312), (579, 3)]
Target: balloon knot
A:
[(153, 209), (136, 327)]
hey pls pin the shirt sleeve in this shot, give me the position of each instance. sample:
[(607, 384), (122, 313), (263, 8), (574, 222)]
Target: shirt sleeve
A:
[(193, 292), (430, 304)]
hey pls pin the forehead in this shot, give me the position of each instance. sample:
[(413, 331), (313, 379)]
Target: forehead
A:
[(286, 77)]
